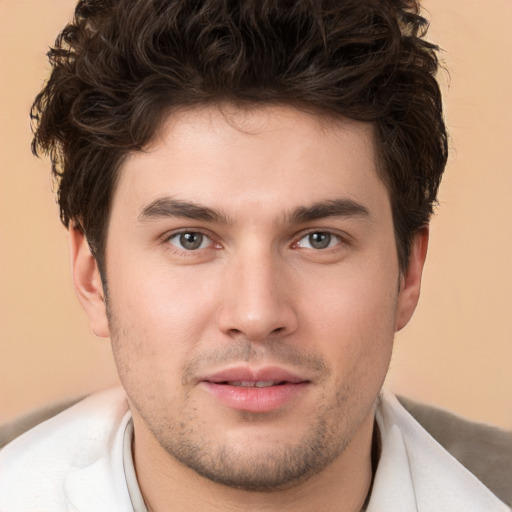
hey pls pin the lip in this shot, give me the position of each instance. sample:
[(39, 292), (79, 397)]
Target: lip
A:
[(245, 373), (286, 388)]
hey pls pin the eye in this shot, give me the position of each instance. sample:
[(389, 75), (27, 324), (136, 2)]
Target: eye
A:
[(319, 240), (189, 240)]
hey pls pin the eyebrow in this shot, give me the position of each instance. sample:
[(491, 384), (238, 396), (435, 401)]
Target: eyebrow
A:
[(165, 207), (331, 208), (169, 207)]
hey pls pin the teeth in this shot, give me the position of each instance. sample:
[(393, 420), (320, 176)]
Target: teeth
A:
[(264, 383), (253, 384)]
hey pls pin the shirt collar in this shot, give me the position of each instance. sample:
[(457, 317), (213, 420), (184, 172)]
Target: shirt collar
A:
[(129, 471)]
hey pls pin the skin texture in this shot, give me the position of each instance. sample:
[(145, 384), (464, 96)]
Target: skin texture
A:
[(258, 292)]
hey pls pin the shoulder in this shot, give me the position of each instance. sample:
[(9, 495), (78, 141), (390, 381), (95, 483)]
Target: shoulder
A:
[(484, 450), (35, 466)]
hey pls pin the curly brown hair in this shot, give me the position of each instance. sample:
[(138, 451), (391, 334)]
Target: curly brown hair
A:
[(122, 65)]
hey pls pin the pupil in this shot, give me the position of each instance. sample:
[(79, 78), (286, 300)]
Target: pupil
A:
[(191, 240), (319, 240)]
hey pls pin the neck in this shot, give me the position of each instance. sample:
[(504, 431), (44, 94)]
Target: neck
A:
[(167, 484)]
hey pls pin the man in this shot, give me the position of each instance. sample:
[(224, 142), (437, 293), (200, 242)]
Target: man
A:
[(248, 187)]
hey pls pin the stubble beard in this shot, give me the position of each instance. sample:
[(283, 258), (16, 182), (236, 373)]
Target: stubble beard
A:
[(265, 468), (273, 466)]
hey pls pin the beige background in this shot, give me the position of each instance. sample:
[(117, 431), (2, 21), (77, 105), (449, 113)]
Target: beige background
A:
[(456, 353)]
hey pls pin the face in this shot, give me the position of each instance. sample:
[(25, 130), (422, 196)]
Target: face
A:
[(253, 291)]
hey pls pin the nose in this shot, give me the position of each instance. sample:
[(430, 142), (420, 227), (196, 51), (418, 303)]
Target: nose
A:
[(257, 298)]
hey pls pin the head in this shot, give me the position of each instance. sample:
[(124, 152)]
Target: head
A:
[(121, 67), (254, 181)]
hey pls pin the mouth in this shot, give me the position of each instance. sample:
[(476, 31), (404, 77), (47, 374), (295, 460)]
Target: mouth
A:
[(262, 390), (253, 384)]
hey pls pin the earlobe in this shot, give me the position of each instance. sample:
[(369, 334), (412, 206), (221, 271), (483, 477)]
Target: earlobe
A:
[(410, 283), (87, 282)]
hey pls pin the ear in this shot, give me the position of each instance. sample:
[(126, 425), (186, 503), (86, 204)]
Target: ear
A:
[(410, 282), (87, 282)]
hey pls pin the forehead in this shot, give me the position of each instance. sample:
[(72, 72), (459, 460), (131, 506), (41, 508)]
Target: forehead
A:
[(234, 158)]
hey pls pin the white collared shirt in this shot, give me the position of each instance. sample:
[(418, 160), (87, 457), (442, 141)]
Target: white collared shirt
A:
[(74, 462)]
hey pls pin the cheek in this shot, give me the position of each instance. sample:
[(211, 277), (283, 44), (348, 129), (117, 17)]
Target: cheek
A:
[(156, 319), (354, 304), (154, 296), (353, 318)]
